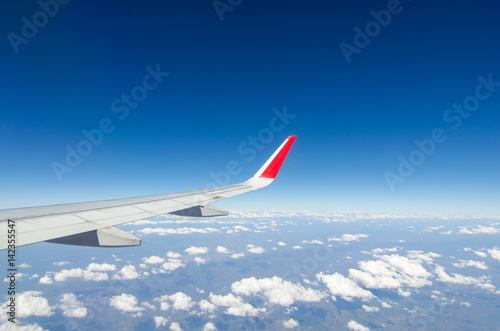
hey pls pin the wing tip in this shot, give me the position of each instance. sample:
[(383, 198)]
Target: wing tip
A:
[(271, 168)]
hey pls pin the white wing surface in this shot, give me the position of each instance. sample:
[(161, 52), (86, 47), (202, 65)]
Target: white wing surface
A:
[(91, 223)]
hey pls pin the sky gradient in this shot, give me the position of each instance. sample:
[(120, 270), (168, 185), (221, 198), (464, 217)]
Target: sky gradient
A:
[(228, 80)]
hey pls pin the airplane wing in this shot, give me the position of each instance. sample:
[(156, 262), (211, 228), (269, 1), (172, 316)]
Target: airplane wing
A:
[(91, 223)]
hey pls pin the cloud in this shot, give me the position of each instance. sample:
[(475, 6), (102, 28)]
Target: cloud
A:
[(61, 263), (173, 255), (222, 249), (495, 253), (297, 247), (235, 305), (101, 267), (254, 249), (384, 250), (160, 321), (237, 255), (127, 272), (127, 304), (280, 243), (344, 287), (185, 230), (349, 237), (71, 307), (31, 303), (470, 263), (200, 260), (206, 306), (45, 280), (478, 253), (179, 301), (276, 290), (386, 305), (175, 326), (370, 309), (393, 272), (480, 229), (481, 282), (193, 250), (172, 265), (209, 327), (153, 259), (23, 265), (86, 275), (314, 242), (290, 324), (353, 325)]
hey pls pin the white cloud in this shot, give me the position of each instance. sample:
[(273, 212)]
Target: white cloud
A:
[(384, 250), (297, 247), (276, 290), (370, 309), (344, 287), (290, 324), (127, 272), (478, 253), (209, 327), (238, 228), (237, 255), (101, 267), (71, 307), (481, 282), (193, 250), (349, 237), (495, 253), (353, 325), (172, 265), (160, 321), (175, 326), (206, 306), (185, 230), (235, 305), (392, 271), (173, 255), (478, 230), (61, 263), (127, 303), (31, 303), (86, 275), (153, 259), (470, 263), (222, 249), (280, 243), (314, 242), (8, 326), (255, 249), (179, 301), (386, 305), (23, 265), (200, 260), (45, 280)]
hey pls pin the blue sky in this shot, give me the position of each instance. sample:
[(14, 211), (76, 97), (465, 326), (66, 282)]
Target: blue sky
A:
[(353, 120)]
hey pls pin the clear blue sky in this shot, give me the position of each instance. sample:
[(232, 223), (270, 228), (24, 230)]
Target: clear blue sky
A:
[(353, 119)]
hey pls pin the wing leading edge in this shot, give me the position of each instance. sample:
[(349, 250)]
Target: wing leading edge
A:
[(91, 223)]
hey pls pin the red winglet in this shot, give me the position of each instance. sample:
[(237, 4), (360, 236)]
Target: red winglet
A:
[(272, 166)]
